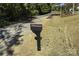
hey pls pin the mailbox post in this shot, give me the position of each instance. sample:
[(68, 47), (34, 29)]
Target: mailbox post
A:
[(37, 28)]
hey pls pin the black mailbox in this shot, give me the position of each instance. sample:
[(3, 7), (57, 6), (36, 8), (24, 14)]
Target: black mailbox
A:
[(37, 28)]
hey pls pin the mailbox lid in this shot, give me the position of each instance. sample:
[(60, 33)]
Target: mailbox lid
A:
[(36, 27)]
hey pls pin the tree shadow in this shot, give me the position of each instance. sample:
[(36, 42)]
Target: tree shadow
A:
[(11, 40), (14, 41)]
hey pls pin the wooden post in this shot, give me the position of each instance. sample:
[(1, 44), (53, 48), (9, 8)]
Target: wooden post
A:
[(60, 11), (73, 8)]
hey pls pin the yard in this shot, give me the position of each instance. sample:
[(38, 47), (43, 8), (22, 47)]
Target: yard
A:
[(59, 37)]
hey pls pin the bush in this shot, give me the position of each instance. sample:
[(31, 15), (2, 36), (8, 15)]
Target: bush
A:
[(12, 12), (44, 8), (3, 23), (34, 12)]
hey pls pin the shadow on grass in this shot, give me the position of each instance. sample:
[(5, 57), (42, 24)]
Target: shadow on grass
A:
[(4, 23)]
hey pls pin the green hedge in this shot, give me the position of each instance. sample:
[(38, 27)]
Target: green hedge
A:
[(3, 23), (12, 12)]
